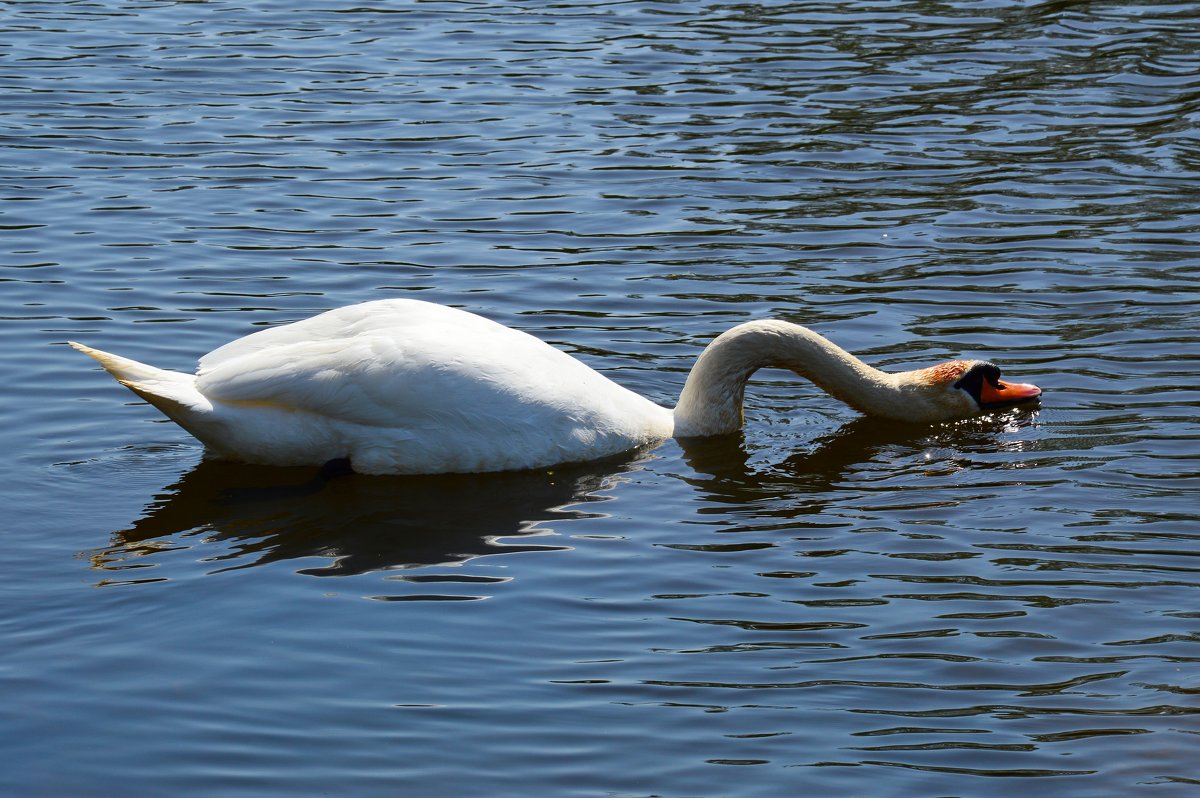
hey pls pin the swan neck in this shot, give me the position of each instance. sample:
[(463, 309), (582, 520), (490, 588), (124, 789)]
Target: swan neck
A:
[(713, 396)]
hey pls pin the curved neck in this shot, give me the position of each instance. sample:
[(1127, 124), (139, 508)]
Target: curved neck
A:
[(711, 402)]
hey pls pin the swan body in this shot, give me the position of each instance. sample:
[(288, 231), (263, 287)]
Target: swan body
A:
[(402, 386)]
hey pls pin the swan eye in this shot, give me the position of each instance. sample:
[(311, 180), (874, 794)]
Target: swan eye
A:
[(972, 381)]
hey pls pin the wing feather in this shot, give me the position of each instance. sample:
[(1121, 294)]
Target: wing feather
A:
[(406, 364)]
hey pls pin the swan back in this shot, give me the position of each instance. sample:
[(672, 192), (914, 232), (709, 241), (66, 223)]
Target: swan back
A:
[(404, 386)]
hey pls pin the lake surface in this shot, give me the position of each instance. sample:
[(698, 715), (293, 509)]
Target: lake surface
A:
[(823, 606)]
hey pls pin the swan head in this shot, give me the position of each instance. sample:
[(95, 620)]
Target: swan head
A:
[(962, 388)]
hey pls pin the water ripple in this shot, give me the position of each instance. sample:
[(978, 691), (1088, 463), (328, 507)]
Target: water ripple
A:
[(826, 603)]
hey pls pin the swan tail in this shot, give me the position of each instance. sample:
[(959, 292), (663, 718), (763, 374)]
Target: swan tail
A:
[(172, 393)]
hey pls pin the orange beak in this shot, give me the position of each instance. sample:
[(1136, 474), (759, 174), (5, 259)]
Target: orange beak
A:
[(1007, 393)]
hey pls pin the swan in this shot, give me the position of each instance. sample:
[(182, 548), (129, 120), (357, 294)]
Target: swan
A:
[(404, 386)]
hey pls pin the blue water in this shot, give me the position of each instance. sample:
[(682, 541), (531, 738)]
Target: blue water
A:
[(825, 605)]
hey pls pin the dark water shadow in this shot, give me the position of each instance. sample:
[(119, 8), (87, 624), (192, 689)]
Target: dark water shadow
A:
[(726, 469), (357, 523)]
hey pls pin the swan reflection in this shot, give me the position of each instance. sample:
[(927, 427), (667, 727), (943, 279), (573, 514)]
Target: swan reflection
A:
[(238, 516), (726, 468), (251, 515)]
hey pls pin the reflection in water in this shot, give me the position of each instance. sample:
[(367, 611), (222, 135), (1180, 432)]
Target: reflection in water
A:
[(724, 463), (362, 524), (727, 470), (359, 523)]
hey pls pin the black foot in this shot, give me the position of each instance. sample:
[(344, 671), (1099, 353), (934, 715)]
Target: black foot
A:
[(337, 467)]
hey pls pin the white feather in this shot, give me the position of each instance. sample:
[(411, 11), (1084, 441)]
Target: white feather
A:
[(402, 386)]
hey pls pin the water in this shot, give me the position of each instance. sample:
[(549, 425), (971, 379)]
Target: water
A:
[(827, 605)]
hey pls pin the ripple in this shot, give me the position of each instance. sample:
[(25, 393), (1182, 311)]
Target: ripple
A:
[(832, 601)]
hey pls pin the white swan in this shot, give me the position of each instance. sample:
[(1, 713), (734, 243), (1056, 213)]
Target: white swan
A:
[(401, 386)]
